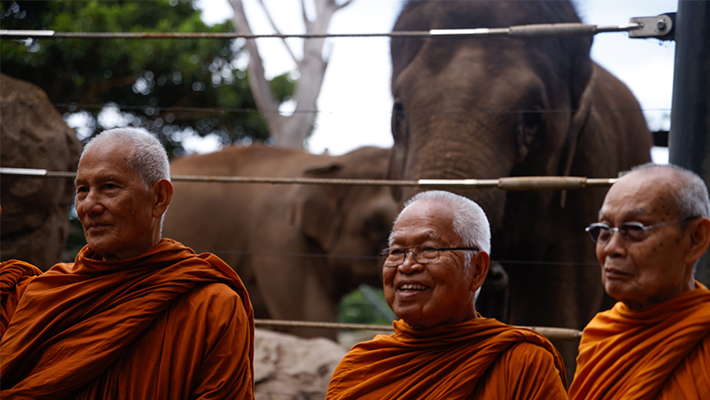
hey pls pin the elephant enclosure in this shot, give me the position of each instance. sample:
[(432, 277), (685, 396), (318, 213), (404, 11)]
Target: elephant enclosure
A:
[(370, 315), (501, 105)]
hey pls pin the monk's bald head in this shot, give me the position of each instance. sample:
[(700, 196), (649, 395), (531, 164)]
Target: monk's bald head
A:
[(680, 190)]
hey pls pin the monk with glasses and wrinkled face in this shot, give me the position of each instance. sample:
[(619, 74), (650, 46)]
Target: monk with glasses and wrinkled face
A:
[(654, 343), (638, 241), (441, 348), (427, 271)]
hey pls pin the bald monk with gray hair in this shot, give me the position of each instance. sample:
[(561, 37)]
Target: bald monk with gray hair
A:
[(655, 342), (437, 260), (136, 316)]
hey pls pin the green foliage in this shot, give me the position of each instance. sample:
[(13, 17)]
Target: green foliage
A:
[(355, 308), (282, 86), (163, 85)]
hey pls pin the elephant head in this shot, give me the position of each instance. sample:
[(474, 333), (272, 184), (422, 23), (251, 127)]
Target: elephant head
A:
[(349, 223), (494, 107), (486, 108)]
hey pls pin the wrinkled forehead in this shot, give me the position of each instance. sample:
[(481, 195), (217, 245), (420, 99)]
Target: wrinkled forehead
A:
[(116, 147), (420, 236), (641, 193), (424, 221), (105, 159)]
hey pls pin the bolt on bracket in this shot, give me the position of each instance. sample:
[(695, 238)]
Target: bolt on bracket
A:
[(660, 27)]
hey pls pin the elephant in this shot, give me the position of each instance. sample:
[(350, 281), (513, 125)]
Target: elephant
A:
[(496, 107), (34, 221), (298, 248)]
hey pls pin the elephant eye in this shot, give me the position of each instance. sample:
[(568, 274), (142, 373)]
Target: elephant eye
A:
[(398, 108), (377, 229), (399, 121), (530, 124)]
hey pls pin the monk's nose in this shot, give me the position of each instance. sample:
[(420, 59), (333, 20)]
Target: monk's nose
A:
[(91, 203), (410, 264), (616, 245)]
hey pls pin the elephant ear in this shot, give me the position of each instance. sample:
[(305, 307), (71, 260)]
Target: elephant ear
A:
[(314, 208), (576, 127)]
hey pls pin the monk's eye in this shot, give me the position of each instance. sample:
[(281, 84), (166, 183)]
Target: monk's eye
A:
[(429, 252), (633, 230), (396, 253)]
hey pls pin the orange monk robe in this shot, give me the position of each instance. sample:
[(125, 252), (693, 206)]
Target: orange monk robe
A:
[(168, 324), (478, 359), (15, 275), (660, 352)]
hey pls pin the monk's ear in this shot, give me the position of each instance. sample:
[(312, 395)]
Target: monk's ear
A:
[(163, 193), (479, 269), (699, 239)]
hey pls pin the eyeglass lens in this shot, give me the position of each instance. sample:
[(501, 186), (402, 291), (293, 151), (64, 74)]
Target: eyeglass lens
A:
[(421, 254), (632, 231)]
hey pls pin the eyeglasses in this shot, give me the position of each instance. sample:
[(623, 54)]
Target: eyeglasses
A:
[(395, 256), (631, 231)]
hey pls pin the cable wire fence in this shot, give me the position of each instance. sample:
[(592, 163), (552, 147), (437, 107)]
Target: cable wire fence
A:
[(520, 183), (531, 30)]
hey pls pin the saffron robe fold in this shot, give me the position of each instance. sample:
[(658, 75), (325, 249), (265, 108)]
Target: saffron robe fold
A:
[(480, 358), (15, 275), (659, 352), (168, 324)]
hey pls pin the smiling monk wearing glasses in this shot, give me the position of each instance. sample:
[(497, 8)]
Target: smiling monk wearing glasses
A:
[(437, 260), (655, 342)]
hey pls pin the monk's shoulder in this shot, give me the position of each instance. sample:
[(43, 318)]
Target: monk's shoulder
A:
[(529, 356), (529, 350), (530, 372), (214, 301)]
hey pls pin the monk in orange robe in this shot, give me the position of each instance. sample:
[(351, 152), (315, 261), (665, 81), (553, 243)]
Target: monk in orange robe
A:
[(441, 348), (15, 276), (135, 316), (655, 342)]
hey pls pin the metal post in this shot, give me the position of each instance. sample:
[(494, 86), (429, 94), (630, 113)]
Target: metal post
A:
[(689, 141)]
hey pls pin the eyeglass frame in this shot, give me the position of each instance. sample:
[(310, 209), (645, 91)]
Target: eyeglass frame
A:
[(385, 253), (623, 227)]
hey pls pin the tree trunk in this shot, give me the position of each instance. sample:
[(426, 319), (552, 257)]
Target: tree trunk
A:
[(292, 130)]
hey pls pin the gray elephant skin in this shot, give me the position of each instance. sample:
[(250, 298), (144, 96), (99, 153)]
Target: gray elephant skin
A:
[(494, 107), (298, 248)]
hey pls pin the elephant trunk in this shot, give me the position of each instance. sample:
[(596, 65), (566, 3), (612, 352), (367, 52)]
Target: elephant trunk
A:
[(445, 153)]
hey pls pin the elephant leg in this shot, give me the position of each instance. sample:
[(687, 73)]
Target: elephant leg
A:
[(293, 290)]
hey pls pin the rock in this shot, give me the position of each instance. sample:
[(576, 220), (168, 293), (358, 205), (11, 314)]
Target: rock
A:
[(290, 367), (35, 211), (348, 339)]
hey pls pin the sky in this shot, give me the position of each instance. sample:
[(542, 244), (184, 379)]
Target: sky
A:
[(355, 103)]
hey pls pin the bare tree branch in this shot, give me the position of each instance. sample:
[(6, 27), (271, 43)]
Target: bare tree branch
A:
[(303, 12), (345, 4), (260, 87), (278, 31), (291, 131)]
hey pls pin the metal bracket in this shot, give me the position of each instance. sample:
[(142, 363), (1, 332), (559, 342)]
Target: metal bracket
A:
[(660, 27)]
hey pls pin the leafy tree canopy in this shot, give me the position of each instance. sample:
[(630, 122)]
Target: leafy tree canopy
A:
[(163, 85)]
